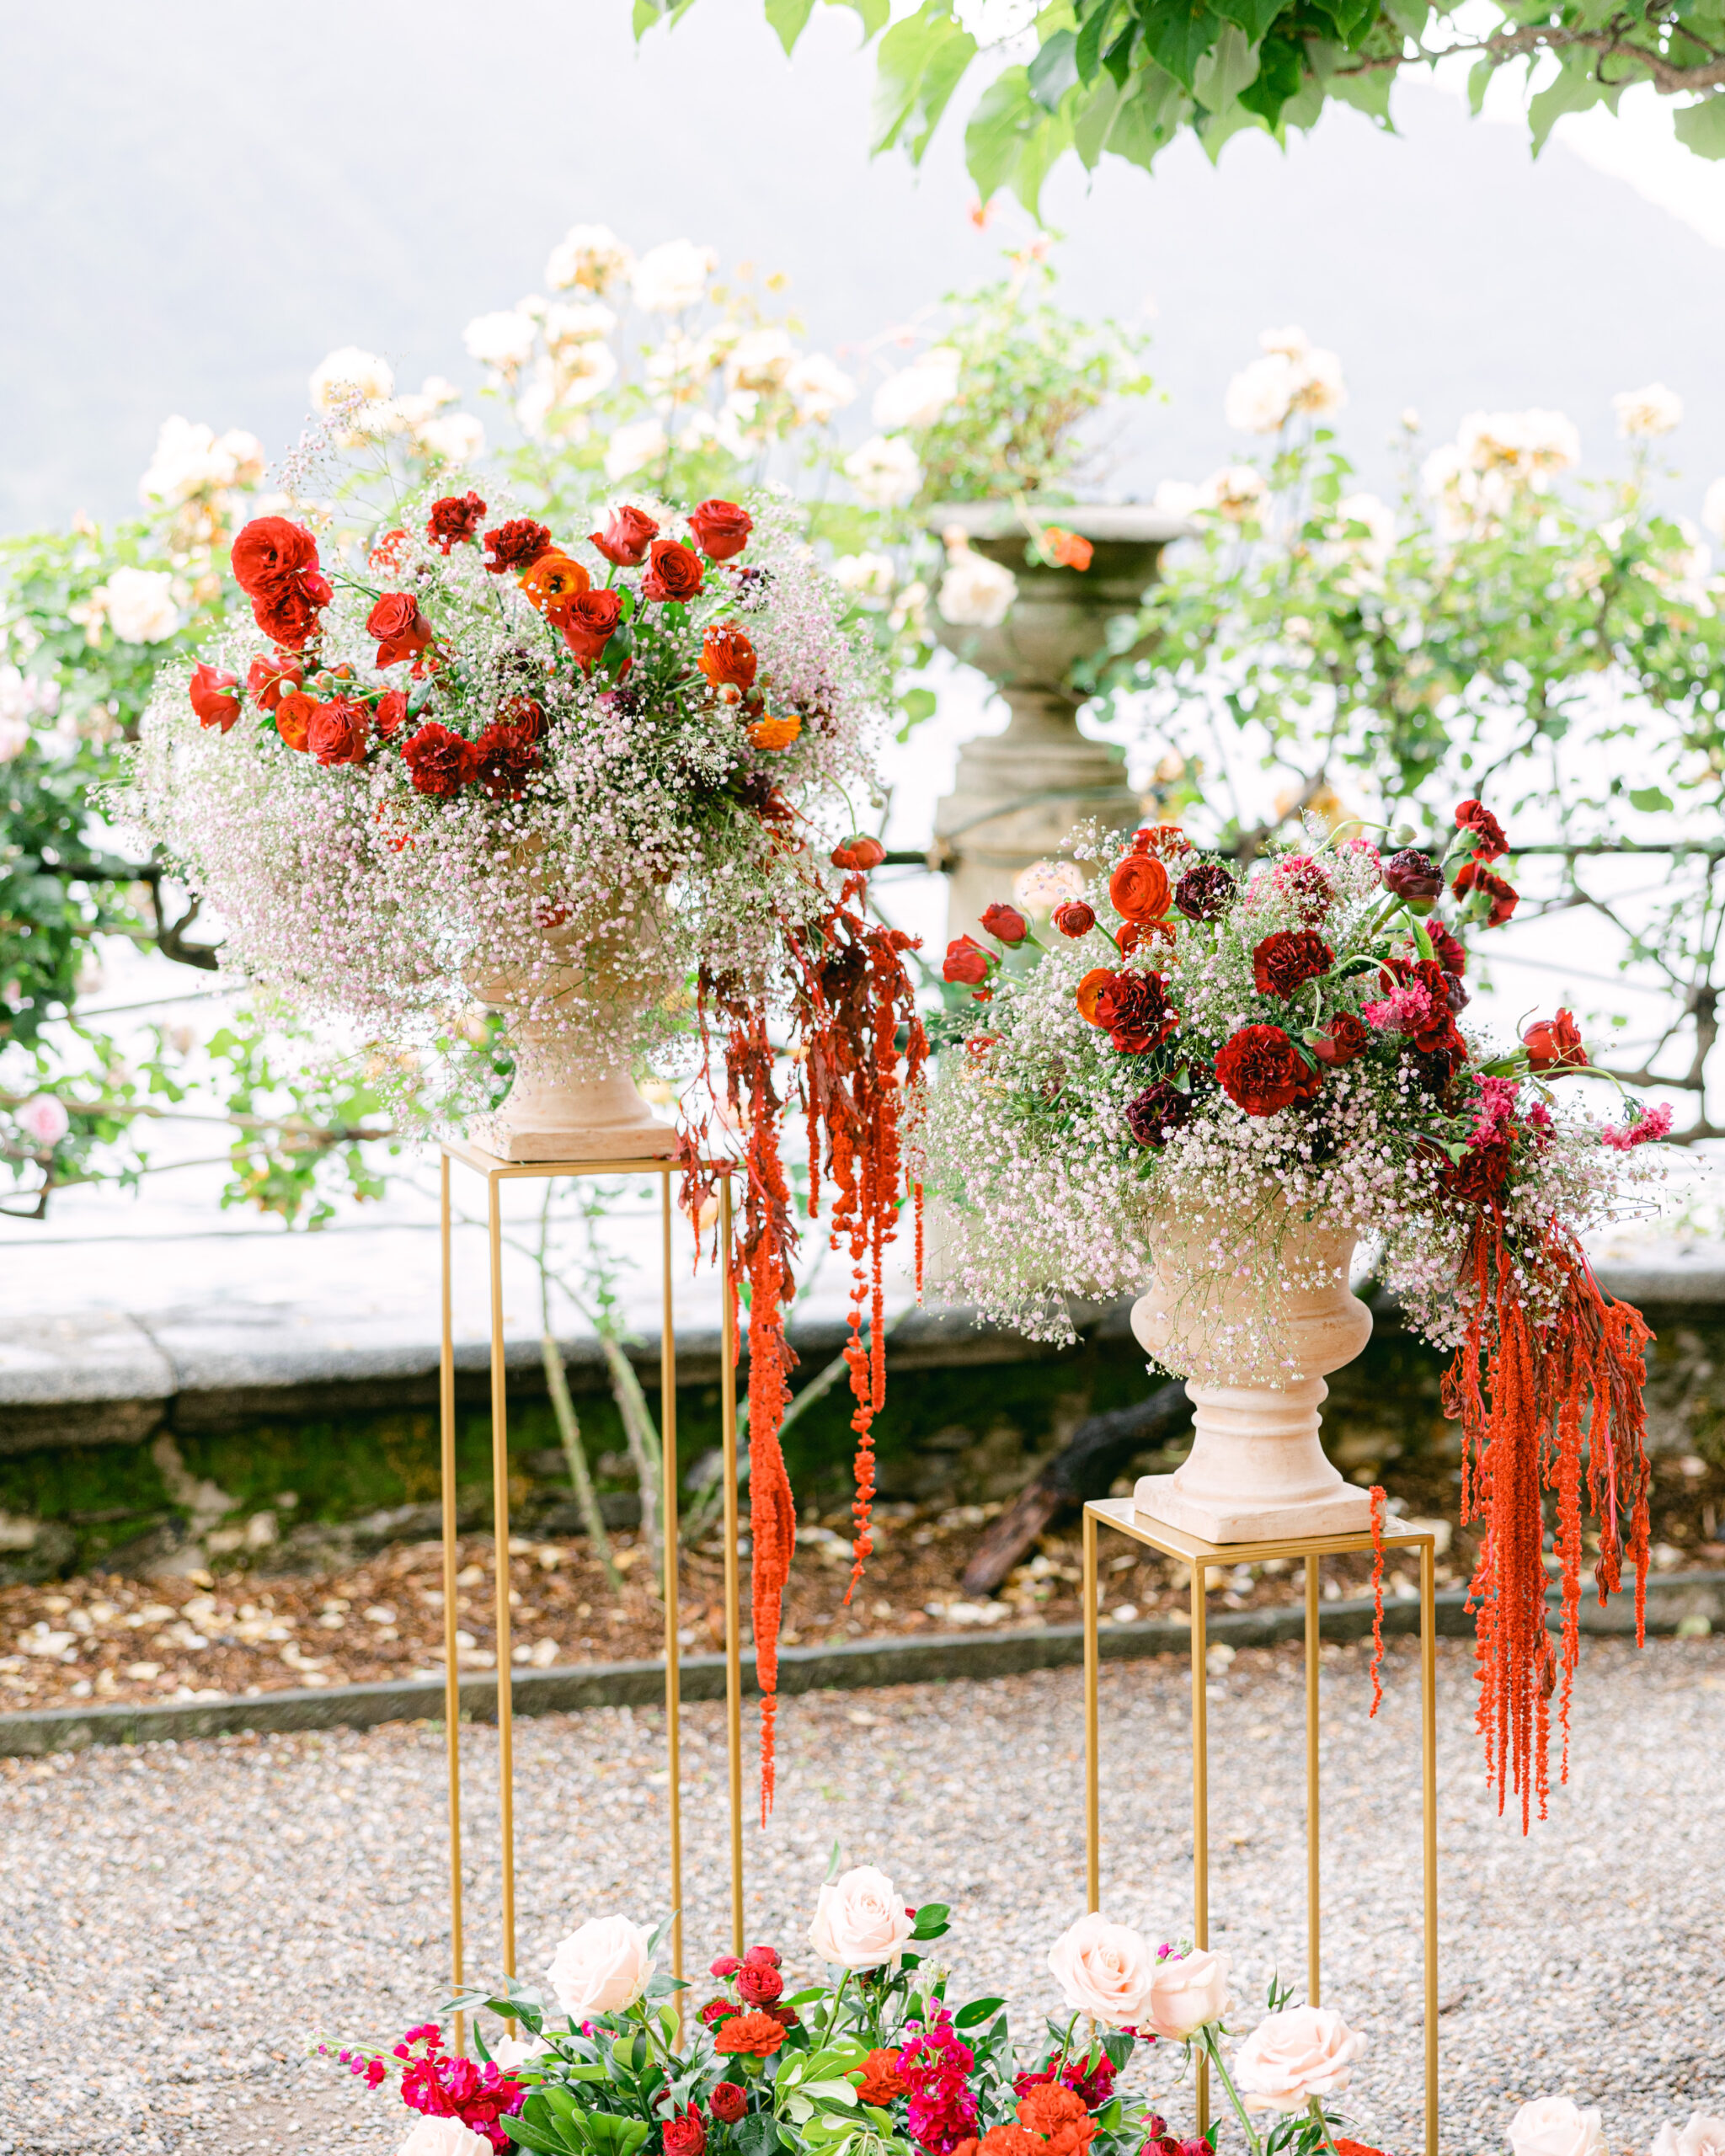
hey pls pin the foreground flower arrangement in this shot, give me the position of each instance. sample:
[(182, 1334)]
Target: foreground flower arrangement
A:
[(1224, 1055)]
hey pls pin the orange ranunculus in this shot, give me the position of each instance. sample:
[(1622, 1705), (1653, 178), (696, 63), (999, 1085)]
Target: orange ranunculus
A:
[(1059, 2115), (754, 2035), (728, 656), (775, 733), (551, 581), (293, 717), (881, 2080), (1067, 548), (1139, 887), (1093, 984), (1009, 2140)]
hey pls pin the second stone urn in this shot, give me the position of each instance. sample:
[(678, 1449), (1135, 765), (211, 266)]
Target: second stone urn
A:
[(1253, 1315)]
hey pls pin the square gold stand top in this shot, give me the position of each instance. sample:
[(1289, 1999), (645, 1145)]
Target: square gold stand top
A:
[(1121, 1513), (493, 1164)]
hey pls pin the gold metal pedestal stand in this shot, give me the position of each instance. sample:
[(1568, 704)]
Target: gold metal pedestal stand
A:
[(496, 1172), (1204, 1558)]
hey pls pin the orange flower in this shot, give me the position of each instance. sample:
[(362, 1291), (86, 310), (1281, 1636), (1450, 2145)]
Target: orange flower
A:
[(1093, 984), (1057, 2114), (758, 2035), (775, 733), (293, 717), (727, 655), (1139, 887), (1147, 931), (552, 581), (1067, 548), (1009, 2140), (881, 2081)]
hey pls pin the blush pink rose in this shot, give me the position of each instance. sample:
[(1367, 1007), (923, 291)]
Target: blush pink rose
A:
[(601, 1968), (1552, 2125), (1104, 1970), (1291, 2057), (444, 2138), (1701, 2137), (1186, 1990), (860, 1921)]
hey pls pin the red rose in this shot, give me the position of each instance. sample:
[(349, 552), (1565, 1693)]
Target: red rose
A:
[(1134, 1012), (1555, 1044), (270, 551), (287, 613), (1344, 1038), (721, 529), (516, 545), (1155, 1116), (728, 656), (455, 520), (727, 2102), (719, 2009), (401, 631), (336, 731), (1262, 1071), (1501, 898), (760, 1983), (625, 537), (590, 623), (1074, 918), (268, 680), (764, 1956), (1285, 962), (967, 962), (1005, 922), (212, 696), (685, 2134), (726, 1965), (441, 762), (1489, 842), (293, 716), (673, 572), (863, 853), (391, 711), (1138, 889), (525, 714), (507, 761)]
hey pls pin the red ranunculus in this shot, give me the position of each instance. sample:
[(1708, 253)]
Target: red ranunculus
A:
[(590, 623), (212, 696), (863, 853), (728, 656), (516, 545), (1284, 963), (336, 731), (727, 2102), (1005, 922), (1344, 1038), (760, 1983), (441, 762), (455, 520), (268, 680), (1134, 1012), (673, 572), (1555, 1044), (1489, 842), (1262, 1071), (293, 716), (391, 711), (507, 761), (721, 529), (1089, 990), (1074, 918), (967, 961), (625, 537), (685, 2134), (271, 550), (401, 631), (1502, 897), (1138, 889)]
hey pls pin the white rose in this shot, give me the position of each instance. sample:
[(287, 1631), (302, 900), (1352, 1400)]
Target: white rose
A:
[(667, 279), (140, 608), (819, 387), (1318, 386), (1261, 396), (576, 322), (1643, 413), (1291, 2057), (884, 473), (458, 437), (919, 395), (187, 462), (601, 1968), (1177, 497), (1236, 492), (349, 373), (1701, 2137), (1292, 343), (760, 361), (588, 256), (864, 576), (1186, 1990), (860, 1921), (1552, 2125), (45, 1119), (508, 2053), (1103, 1970), (633, 447), (975, 593), (586, 371), (503, 340), (443, 2137)]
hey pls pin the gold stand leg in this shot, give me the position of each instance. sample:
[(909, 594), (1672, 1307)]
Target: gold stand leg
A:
[(1312, 1953), (1092, 1807), (1200, 1804), (1429, 1822), (733, 1585), (499, 1511), (672, 1698), (451, 1670)]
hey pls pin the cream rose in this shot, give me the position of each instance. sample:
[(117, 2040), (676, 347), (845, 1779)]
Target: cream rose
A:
[(1291, 2057), (1184, 1992), (1104, 1970), (860, 1921), (1552, 2125), (1701, 2137), (601, 1968), (444, 2138)]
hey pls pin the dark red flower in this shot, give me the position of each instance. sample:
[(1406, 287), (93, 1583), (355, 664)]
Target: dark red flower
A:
[(1415, 877), (336, 731), (1489, 842), (865, 853), (967, 961), (270, 551), (455, 520), (1491, 894), (590, 623), (721, 529), (287, 613), (516, 545), (212, 696), (759, 1984), (1284, 963), (1134, 1012), (391, 711), (1074, 919), (625, 537), (1006, 923), (1450, 954), (270, 680), (685, 2134), (673, 572), (1344, 1038), (401, 631), (1138, 889), (507, 760), (1555, 1043), (1481, 1173), (1260, 1070), (1206, 890), (441, 762), (1153, 1118), (727, 2102)]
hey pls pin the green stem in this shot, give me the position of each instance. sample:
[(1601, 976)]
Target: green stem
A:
[(1213, 2051), (1318, 2112)]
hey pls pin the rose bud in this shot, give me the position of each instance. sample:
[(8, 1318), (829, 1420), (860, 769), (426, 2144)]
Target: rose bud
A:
[(685, 2134), (1005, 922), (624, 539), (1340, 1041), (212, 696), (1415, 878), (967, 961), (861, 853), (1074, 919), (727, 2102), (726, 1965), (1555, 1044), (760, 1957)]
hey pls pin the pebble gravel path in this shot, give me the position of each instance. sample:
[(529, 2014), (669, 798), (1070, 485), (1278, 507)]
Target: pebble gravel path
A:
[(178, 1925)]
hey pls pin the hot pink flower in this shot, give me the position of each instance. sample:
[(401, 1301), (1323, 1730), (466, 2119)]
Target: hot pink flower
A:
[(1655, 1124)]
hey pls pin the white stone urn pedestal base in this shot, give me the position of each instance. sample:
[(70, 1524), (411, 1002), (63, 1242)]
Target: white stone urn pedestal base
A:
[(572, 1115), (1256, 1471)]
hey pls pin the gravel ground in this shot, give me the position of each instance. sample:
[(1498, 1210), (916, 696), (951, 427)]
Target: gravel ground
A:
[(182, 1922)]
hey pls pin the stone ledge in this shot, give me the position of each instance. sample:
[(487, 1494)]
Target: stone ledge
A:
[(946, 1658)]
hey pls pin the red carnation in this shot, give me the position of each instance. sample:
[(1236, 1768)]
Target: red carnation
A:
[(685, 2134), (212, 696), (1555, 1043), (590, 623), (760, 1983), (1074, 918), (1005, 922), (755, 2036), (1450, 954), (1284, 963), (336, 731), (625, 537), (721, 529), (1260, 1070), (1134, 1012), (391, 711), (455, 520), (441, 762), (1489, 842), (1501, 899), (967, 961), (507, 760), (881, 2080), (863, 853), (1344, 1038), (516, 545), (673, 572), (401, 631), (1481, 1173), (270, 552), (727, 2102)]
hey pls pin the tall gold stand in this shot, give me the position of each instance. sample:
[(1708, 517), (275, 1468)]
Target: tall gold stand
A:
[(1204, 1558), (496, 1172)]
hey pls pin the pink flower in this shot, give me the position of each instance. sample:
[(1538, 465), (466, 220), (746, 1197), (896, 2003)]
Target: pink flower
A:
[(941, 2110), (1495, 1123), (47, 1121), (1655, 1122), (1405, 1010)]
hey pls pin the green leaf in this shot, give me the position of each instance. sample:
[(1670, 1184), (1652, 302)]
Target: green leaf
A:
[(1254, 17), (1178, 34), (1367, 92), (788, 19), (1575, 87), (1281, 73), (978, 2009), (1012, 141), (645, 16), (1091, 36), (1700, 126), (1649, 799), (917, 705), (1147, 118), (874, 15), (923, 60), (1223, 72), (1054, 70)]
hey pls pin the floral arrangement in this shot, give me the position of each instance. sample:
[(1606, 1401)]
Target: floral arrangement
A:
[(1224, 1052)]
